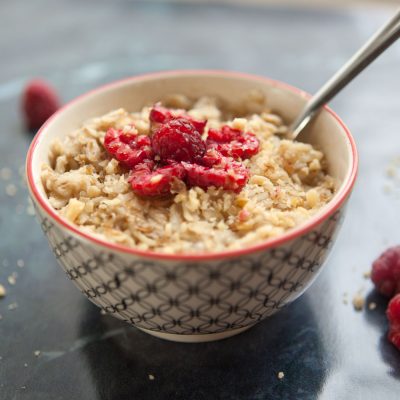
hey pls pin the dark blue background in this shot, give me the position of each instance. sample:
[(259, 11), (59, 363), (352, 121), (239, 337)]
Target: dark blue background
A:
[(325, 349)]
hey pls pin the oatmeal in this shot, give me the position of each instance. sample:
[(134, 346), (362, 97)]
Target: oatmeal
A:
[(228, 179)]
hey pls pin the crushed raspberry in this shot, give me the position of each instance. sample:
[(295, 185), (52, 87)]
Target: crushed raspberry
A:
[(178, 140), (393, 314), (211, 157), (162, 115), (149, 183), (232, 142), (230, 175), (176, 151), (128, 148), (39, 102), (386, 272)]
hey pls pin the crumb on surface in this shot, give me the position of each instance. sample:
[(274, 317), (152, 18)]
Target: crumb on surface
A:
[(11, 190), (372, 305), (387, 189), (5, 173), (391, 171), (367, 274), (358, 301), (2, 291), (25, 365), (12, 279), (36, 353), (12, 306), (20, 263), (151, 377), (281, 375)]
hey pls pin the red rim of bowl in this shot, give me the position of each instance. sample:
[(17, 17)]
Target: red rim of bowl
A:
[(331, 207)]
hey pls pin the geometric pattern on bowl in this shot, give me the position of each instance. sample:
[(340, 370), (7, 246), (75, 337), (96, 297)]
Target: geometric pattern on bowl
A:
[(186, 298)]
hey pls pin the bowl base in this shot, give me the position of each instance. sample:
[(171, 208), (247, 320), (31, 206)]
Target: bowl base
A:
[(208, 337)]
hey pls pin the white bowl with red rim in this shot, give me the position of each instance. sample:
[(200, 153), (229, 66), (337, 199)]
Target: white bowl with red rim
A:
[(195, 297)]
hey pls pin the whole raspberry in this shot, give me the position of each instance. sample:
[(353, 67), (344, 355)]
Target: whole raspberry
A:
[(161, 115), (393, 314), (386, 272), (39, 102), (178, 140), (233, 142), (149, 183), (128, 148), (229, 175)]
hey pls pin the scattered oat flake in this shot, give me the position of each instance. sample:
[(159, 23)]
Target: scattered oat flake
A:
[(281, 375), (151, 377), (25, 365), (20, 263), (5, 173), (12, 279), (372, 305), (391, 171), (11, 189), (36, 353), (12, 306), (367, 274), (2, 291), (358, 301), (387, 189)]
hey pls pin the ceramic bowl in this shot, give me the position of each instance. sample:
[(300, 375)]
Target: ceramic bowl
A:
[(195, 297)]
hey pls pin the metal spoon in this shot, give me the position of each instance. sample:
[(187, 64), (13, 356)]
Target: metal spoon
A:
[(376, 45)]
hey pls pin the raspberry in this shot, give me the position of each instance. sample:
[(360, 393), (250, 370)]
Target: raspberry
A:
[(393, 314), (229, 175), (211, 158), (233, 142), (149, 183), (39, 102), (386, 272), (161, 115), (178, 140), (128, 148)]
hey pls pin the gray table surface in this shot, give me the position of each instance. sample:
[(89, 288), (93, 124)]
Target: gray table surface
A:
[(325, 349)]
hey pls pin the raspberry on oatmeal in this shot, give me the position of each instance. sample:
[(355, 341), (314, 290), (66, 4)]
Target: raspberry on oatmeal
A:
[(227, 180)]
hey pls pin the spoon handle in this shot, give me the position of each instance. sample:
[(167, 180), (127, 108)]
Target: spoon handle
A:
[(378, 43)]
